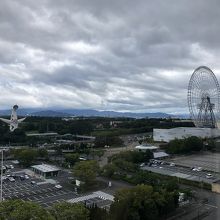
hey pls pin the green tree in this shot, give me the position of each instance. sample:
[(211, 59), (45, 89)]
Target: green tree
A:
[(72, 158), (101, 141), (42, 153), (96, 213), (109, 170), (20, 210), (133, 156), (86, 170), (68, 211), (187, 145), (25, 156), (193, 143), (134, 204), (142, 202), (210, 145), (99, 153), (176, 146)]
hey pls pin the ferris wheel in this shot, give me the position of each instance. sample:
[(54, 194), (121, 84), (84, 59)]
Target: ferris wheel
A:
[(204, 98)]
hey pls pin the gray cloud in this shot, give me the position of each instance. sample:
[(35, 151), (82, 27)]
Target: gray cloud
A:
[(115, 55)]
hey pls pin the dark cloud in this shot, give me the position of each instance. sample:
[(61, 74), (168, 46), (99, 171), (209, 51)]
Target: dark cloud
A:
[(119, 55)]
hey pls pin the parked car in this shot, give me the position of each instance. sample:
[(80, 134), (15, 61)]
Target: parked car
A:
[(22, 177), (7, 167), (4, 178), (82, 158), (58, 186), (33, 183), (172, 164), (209, 176), (142, 164), (26, 177), (198, 169), (11, 179)]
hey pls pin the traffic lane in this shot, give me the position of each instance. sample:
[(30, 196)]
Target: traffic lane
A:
[(115, 185), (176, 173), (188, 171), (212, 200)]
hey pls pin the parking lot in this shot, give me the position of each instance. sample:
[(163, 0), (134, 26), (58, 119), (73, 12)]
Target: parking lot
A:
[(23, 184), (171, 169), (41, 192), (207, 160)]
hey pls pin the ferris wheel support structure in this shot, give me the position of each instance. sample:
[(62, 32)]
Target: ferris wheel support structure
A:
[(204, 98)]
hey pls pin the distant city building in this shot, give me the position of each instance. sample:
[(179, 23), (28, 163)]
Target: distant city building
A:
[(46, 170), (114, 124), (166, 135)]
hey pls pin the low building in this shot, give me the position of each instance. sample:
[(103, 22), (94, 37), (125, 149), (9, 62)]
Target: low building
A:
[(145, 147), (160, 155), (46, 170), (47, 134), (166, 135)]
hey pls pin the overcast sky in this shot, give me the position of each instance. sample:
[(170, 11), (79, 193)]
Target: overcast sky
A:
[(121, 55)]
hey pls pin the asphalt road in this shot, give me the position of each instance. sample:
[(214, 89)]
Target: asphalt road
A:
[(181, 172), (111, 151)]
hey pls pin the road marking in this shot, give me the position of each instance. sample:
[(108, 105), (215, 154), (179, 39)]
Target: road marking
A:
[(213, 206)]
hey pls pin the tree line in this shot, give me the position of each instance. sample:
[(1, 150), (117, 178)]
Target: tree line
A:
[(184, 146)]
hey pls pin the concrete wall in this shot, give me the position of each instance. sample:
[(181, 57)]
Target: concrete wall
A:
[(167, 135), (216, 187)]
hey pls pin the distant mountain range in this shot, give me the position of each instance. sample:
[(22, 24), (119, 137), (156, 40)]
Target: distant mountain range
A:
[(87, 113)]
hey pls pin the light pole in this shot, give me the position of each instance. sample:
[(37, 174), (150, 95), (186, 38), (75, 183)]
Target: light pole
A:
[(1, 175)]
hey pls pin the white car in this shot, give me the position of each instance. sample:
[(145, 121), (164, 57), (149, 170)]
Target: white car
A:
[(198, 169), (82, 158), (11, 179), (142, 165), (4, 178), (11, 166), (26, 177), (58, 186), (209, 176), (172, 164)]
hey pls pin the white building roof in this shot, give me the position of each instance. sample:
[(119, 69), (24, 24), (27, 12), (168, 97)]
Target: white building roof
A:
[(42, 134), (146, 147), (46, 168), (160, 154)]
